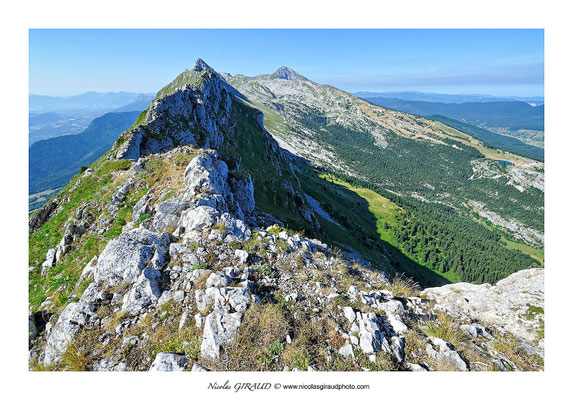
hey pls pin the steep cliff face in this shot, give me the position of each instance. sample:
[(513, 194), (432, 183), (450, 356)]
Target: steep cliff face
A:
[(163, 256)]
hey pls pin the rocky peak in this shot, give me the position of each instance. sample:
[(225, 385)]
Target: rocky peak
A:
[(288, 74), (194, 109), (201, 65)]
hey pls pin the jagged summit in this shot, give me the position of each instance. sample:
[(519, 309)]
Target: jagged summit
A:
[(191, 110), (288, 74), (201, 65)]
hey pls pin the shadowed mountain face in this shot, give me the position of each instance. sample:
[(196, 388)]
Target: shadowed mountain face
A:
[(53, 162)]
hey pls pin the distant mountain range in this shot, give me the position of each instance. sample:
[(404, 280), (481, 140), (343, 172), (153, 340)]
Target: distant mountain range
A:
[(139, 104), (58, 119), (493, 139), (513, 115), (85, 102), (53, 162), (448, 98)]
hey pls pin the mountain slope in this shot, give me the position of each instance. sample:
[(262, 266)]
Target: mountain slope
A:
[(163, 256), (448, 98), (490, 138), (510, 114), (439, 173), (517, 119)]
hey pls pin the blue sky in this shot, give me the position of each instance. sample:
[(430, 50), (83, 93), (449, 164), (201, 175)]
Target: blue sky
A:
[(496, 62)]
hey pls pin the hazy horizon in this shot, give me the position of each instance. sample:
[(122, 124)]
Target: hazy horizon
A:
[(508, 62), (359, 91)]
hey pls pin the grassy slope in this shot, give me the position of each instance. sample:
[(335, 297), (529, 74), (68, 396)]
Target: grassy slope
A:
[(61, 283), (248, 145), (488, 152), (385, 211), (61, 279), (361, 215), (538, 254)]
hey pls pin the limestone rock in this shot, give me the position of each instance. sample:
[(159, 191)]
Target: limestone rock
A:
[(346, 350), (239, 298), (392, 307), (198, 368), (445, 353), (121, 193), (145, 292), (242, 255), (244, 194), (168, 214), (397, 324), (349, 314), (125, 257), (206, 174), (217, 279), (69, 322), (208, 297), (220, 329), (165, 362), (198, 218), (504, 304), (371, 337)]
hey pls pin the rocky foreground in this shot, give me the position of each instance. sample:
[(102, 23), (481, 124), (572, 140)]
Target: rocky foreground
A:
[(199, 281)]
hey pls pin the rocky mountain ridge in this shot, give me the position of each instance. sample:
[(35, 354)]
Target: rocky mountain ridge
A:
[(159, 257), (201, 279)]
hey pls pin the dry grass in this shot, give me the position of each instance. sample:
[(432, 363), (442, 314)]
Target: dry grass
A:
[(415, 347), (167, 337), (510, 349), (440, 364), (309, 347), (445, 327), (167, 170), (35, 365), (201, 282), (384, 362), (74, 359), (478, 360), (403, 286), (114, 321), (259, 342)]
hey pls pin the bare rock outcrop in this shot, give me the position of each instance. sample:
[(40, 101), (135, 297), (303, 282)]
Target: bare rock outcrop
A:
[(507, 304)]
